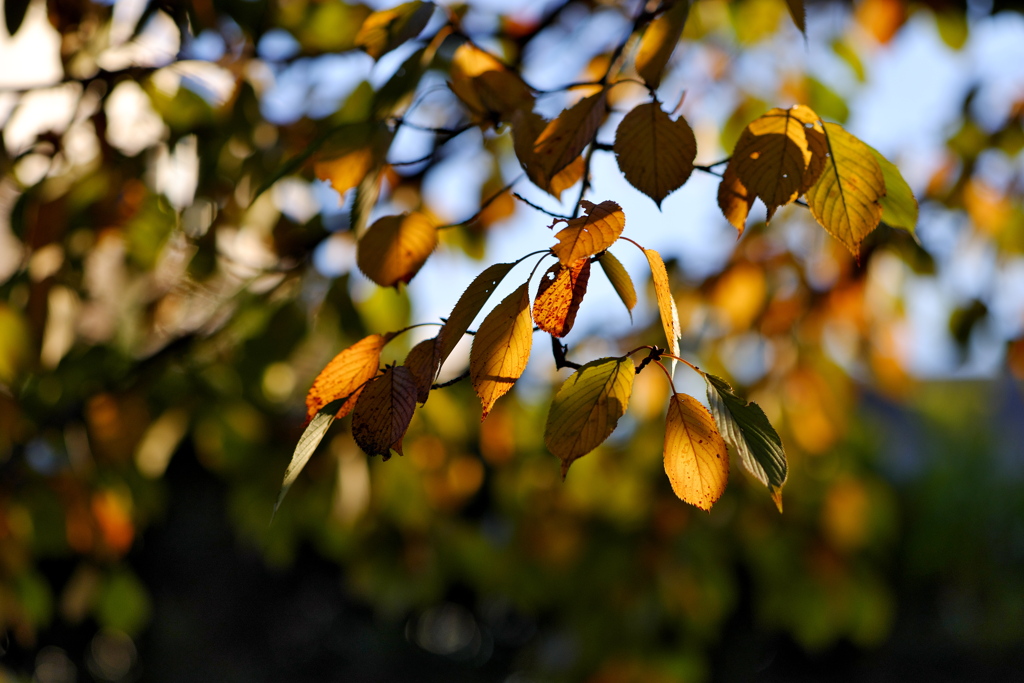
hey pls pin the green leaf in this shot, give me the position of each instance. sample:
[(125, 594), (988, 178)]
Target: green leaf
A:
[(308, 442), (620, 280), (899, 207), (745, 427), (587, 407)]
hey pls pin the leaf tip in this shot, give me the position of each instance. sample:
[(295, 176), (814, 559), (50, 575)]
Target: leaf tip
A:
[(777, 499)]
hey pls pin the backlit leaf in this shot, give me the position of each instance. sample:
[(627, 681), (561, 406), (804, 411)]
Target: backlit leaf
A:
[(564, 139), (654, 152), (566, 178), (488, 88), (846, 200), (343, 377), (745, 427), (467, 308), (383, 412), (779, 156), (796, 10), (422, 361), (367, 192), (734, 200), (666, 302), (559, 296), (395, 247), (310, 439), (696, 460), (501, 348), (659, 41), (587, 407), (385, 30), (620, 280), (589, 234), (899, 207), (346, 171)]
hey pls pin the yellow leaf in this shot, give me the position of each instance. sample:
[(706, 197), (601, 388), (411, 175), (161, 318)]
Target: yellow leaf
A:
[(566, 178), (654, 152), (696, 459), (383, 412), (620, 280), (899, 206), (666, 302), (589, 234), (345, 375), (846, 200), (467, 308), (734, 200), (383, 31), (422, 361), (395, 247), (659, 41), (587, 407), (346, 171), (563, 139), (501, 348), (488, 88), (559, 296), (780, 155)]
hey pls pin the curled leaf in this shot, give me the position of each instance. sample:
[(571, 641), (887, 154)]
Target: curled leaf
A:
[(384, 411), (559, 297), (696, 460), (654, 152), (395, 247), (621, 282), (501, 348), (734, 200), (345, 375), (589, 234), (666, 302), (587, 407), (659, 41)]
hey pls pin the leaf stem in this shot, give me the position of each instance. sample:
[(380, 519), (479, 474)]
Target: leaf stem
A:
[(668, 375), (455, 380), (684, 362), (526, 201)]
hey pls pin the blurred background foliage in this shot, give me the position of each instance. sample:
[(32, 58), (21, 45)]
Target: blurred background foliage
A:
[(158, 330)]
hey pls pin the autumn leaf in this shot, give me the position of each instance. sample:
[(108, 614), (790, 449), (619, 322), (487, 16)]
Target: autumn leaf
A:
[(796, 10), (899, 206), (488, 88), (395, 247), (621, 282), (343, 377), (468, 306), (734, 200), (654, 152), (501, 348), (666, 302), (587, 407), (346, 171), (589, 234), (383, 411), (846, 200), (696, 459), (562, 140), (659, 41), (745, 427), (350, 154), (310, 439), (779, 156), (385, 30), (559, 296), (566, 178), (367, 193), (422, 361)]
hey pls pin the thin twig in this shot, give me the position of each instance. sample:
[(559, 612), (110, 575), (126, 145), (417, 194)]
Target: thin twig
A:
[(526, 201), (483, 207), (450, 382)]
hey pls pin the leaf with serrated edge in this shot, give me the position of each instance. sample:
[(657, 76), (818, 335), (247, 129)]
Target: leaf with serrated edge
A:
[(385, 30), (734, 200), (589, 234), (422, 363), (696, 460), (654, 152), (395, 247), (779, 155), (846, 200), (310, 439), (621, 282), (899, 206), (564, 139), (796, 10), (587, 407), (345, 374), (666, 302), (501, 348), (468, 306), (745, 427), (383, 412), (559, 297), (659, 41)]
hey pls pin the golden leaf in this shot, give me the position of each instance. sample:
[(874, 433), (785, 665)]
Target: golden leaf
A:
[(488, 88), (666, 302), (734, 200), (467, 308), (346, 171), (846, 200), (696, 459), (422, 361), (383, 411), (559, 296), (501, 348), (395, 247), (659, 41), (563, 139), (654, 152), (587, 407), (385, 30), (566, 178), (345, 375), (621, 282), (589, 234)]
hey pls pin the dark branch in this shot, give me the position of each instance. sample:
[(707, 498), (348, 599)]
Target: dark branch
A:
[(558, 350), (526, 201)]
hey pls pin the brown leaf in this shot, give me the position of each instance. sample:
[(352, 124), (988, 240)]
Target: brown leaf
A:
[(659, 41), (384, 410), (385, 30), (589, 234), (488, 88), (696, 459), (734, 200), (345, 375), (654, 152), (796, 10), (501, 348), (559, 296), (395, 247), (666, 302), (422, 361), (562, 140)]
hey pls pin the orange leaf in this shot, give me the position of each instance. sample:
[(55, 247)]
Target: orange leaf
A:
[(395, 247), (346, 171), (422, 361), (386, 30), (345, 375), (566, 178), (488, 88), (560, 295), (659, 41), (501, 348), (654, 152), (734, 200), (384, 410), (666, 302), (696, 459), (564, 139), (589, 234)]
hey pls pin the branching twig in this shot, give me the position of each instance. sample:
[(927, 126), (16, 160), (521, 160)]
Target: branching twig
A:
[(558, 350), (526, 201), (455, 380), (483, 207)]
